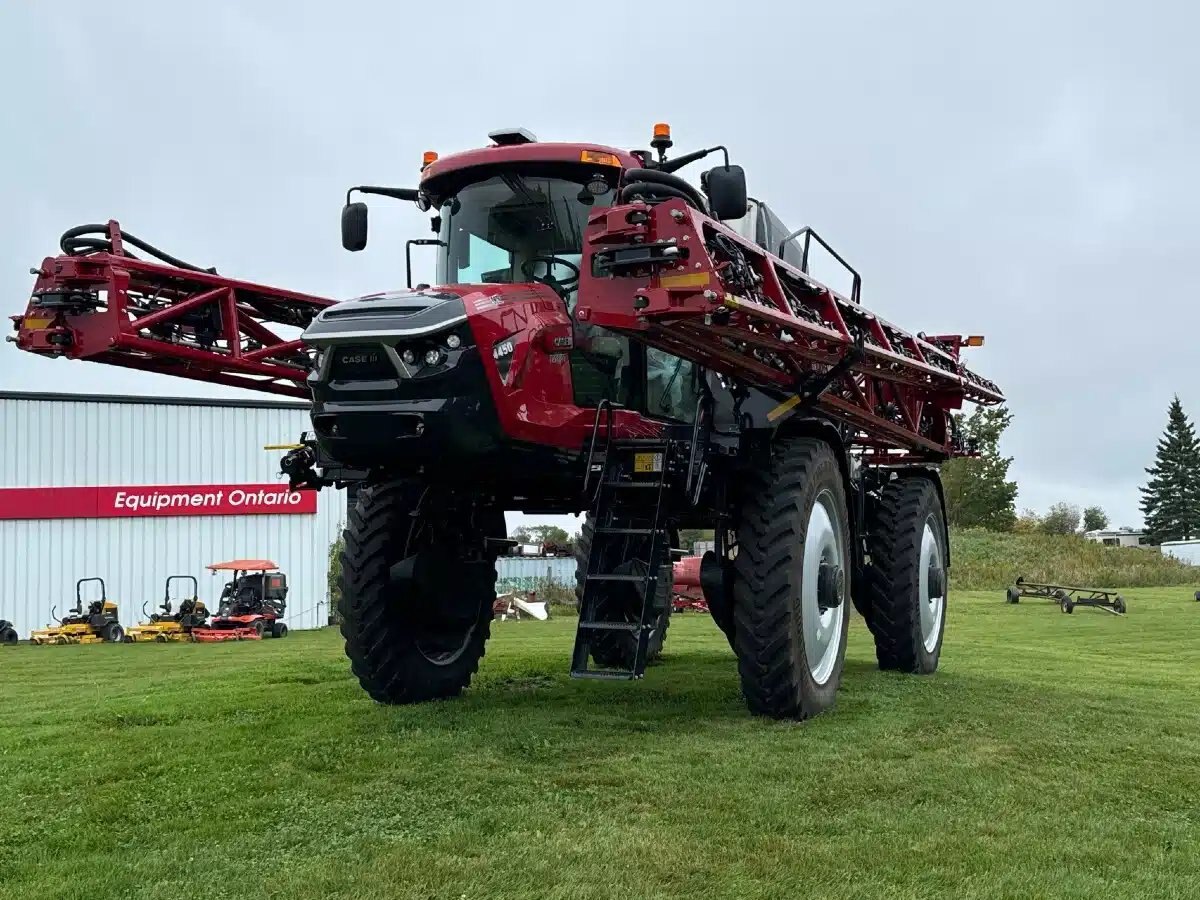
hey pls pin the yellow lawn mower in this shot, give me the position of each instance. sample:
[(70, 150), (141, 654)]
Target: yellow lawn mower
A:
[(97, 625), (167, 626)]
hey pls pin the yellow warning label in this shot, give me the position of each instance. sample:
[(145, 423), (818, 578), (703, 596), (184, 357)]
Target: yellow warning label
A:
[(31, 323), (689, 280), (647, 462)]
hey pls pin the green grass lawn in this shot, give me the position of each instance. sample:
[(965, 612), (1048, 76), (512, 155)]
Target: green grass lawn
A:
[(1052, 756)]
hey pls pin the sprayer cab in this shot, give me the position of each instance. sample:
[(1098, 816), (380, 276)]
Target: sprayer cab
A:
[(597, 173)]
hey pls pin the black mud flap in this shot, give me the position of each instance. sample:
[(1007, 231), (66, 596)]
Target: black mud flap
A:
[(716, 581)]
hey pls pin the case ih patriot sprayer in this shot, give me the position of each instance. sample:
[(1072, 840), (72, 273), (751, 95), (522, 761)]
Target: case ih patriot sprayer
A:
[(606, 338)]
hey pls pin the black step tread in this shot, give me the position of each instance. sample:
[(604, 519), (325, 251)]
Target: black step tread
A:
[(630, 484), (646, 578), (612, 626), (608, 530)]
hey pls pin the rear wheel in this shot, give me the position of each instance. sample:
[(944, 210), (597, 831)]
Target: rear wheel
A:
[(905, 580), (8, 634), (416, 640), (113, 633), (790, 582), (621, 602), (279, 630)]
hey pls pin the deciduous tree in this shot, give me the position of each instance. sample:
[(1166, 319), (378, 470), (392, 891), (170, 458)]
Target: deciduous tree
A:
[(978, 492)]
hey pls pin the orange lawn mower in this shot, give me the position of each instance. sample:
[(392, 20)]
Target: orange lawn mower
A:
[(252, 603)]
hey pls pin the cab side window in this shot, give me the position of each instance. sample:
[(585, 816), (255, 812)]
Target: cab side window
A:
[(671, 388)]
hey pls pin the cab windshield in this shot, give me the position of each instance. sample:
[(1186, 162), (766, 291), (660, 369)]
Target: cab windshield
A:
[(519, 227)]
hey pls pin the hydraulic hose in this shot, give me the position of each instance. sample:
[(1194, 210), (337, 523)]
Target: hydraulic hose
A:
[(80, 240), (652, 183)]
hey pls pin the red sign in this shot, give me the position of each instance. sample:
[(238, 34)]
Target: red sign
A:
[(155, 500)]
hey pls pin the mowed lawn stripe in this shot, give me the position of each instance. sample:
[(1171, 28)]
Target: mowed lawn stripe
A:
[(1052, 755)]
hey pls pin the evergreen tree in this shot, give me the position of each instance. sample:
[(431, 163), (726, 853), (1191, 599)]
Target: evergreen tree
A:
[(978, 492), (1171, 498)]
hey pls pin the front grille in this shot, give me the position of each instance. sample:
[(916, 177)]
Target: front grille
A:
[(360, 363)]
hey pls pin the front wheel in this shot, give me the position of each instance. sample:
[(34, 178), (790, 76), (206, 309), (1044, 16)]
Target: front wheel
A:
[(420, 637), (791, 582)]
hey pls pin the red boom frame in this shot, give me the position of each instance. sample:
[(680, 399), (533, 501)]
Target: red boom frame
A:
[(112, 308), (665, 273)]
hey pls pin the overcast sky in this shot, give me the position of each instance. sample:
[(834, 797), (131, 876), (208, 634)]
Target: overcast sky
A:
[(1022, 170)]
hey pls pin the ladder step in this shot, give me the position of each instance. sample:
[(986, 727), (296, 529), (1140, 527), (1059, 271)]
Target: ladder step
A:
[(620, 577), (611, 626), (605, 674), (630, 484), (631, 531)]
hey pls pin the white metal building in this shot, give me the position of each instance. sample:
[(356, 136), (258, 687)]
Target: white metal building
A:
[(135, 489), (1186, 551)]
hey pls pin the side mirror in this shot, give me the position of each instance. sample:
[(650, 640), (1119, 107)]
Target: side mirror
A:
[(726, 188), (354, 226)]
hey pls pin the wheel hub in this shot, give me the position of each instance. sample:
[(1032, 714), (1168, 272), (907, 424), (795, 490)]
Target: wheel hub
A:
[(937, 581), (831, 585)]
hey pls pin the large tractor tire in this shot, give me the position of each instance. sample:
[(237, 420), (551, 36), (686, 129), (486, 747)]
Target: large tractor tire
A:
[(621, 602), (905, 577), (791, 582), (407, 644)]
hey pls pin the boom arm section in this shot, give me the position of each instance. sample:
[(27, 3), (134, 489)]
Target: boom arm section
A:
[(685, 283), (99, 302)]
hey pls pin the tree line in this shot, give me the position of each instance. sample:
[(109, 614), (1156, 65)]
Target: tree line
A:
[(979, 493)]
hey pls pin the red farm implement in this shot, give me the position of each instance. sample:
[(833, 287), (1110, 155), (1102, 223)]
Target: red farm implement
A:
[(687, 593), (607, 338)]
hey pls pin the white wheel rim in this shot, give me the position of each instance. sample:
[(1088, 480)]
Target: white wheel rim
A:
[(932, 604), (822, 629)]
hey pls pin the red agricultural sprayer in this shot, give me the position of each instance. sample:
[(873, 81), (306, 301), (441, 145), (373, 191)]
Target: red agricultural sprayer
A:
[(608, 338)]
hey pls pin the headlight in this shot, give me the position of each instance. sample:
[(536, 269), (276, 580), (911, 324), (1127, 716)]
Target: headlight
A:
[(433, 357), (453, 342)]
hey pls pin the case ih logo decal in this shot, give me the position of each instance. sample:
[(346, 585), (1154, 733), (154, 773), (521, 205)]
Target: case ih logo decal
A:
[(155, 500), (354, 359)]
